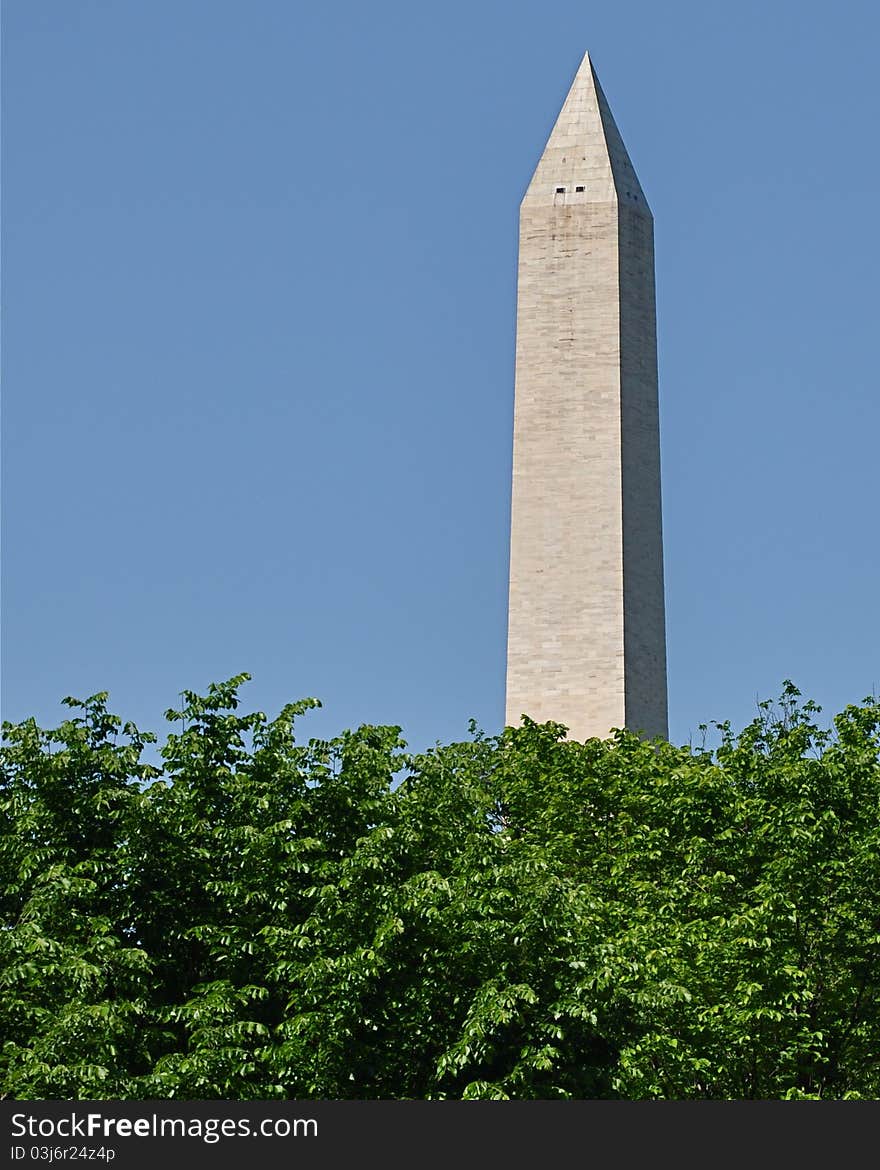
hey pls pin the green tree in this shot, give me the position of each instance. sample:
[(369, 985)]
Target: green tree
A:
[(518, 916)]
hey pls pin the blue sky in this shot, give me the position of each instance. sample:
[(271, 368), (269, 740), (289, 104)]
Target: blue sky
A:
[(259, 288)]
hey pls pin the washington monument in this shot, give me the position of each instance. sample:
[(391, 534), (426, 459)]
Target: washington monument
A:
[(586, 628)]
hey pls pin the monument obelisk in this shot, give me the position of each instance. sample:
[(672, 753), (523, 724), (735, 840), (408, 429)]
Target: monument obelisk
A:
[(586, 627)]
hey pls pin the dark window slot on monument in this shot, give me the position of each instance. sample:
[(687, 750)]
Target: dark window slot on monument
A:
[(560, 190), (578, 188)]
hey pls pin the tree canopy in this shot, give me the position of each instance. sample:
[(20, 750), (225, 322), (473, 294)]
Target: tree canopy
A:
[(519, 916)]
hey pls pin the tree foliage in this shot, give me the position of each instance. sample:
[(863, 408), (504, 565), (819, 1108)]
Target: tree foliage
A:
[(512, 917)]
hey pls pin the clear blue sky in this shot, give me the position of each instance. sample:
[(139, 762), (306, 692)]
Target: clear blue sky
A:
[(259, 282)]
